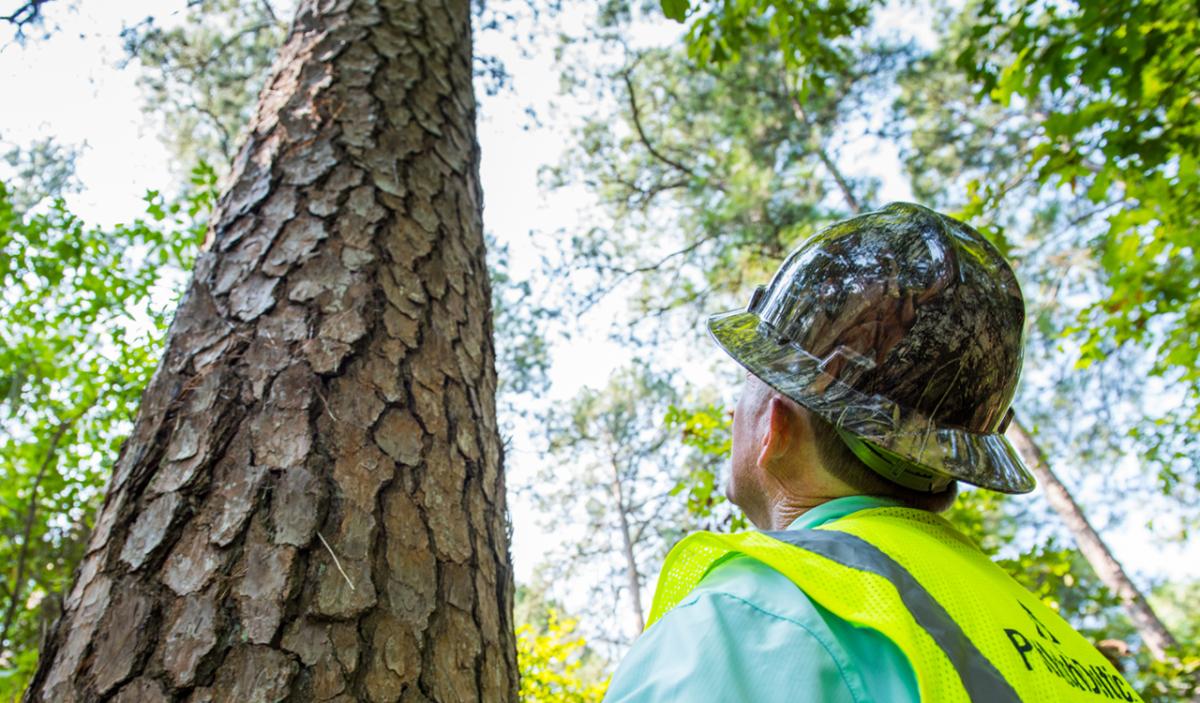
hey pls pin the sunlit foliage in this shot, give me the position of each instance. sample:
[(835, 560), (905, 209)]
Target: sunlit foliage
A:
[(552, 664), (86, 309)]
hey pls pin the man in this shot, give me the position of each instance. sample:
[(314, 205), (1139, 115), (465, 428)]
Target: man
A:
[(881, 361)]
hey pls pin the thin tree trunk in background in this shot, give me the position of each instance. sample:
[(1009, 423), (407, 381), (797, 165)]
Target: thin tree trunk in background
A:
[(14, 598), (1158, 639), (311, 504), (818, 145), (631, 569)]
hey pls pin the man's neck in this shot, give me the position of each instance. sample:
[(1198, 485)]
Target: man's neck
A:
[(795, 490), (784, 511)]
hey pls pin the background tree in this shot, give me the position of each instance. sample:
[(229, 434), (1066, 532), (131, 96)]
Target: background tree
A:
[(203, 72), (607, 492), (705, 429), (550, 662), (989, 151), (39, 172), (704, 177), (1123, 126), (314, 474)]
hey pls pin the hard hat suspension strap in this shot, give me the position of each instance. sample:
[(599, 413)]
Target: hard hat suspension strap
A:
[(892, 466)]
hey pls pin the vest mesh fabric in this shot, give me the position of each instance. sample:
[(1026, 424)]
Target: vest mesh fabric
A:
[(862, 597), (990, 605), (1045, 660)]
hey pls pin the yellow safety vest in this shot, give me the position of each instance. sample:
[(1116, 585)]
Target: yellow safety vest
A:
[(969, 630)]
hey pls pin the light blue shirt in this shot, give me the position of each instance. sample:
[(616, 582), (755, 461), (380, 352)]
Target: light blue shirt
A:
[(747, 633)]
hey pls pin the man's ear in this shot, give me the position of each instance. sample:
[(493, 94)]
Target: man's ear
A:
[(781, 424)]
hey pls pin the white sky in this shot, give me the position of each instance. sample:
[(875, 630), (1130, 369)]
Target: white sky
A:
[(68, 88)]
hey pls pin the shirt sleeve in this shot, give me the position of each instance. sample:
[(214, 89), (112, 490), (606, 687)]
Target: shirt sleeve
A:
[(719, 647)]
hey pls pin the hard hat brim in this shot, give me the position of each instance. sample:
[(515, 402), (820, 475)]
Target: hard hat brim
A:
[(986, 460)]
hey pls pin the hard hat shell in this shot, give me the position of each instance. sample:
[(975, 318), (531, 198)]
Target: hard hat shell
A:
[(904, 329)]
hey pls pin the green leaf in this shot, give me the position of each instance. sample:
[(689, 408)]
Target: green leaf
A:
[(675, 9)]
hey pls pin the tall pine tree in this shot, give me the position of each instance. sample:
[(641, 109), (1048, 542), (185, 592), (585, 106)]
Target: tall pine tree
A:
[(311, 503)]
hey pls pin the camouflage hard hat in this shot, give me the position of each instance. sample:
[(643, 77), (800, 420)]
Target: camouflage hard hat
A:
[(903, 328)]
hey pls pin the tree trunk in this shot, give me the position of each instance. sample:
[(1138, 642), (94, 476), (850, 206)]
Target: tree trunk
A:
[(1156, 636), (311, 504), (631, 569), (18, 579)]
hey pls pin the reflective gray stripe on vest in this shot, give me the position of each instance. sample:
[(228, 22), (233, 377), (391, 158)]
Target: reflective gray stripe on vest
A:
[(983, 682)]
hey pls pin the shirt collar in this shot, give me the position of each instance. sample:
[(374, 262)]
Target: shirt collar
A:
[(839, 508)]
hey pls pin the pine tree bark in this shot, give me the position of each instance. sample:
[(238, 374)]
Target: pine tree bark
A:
[(1154, 633), (311, 504)]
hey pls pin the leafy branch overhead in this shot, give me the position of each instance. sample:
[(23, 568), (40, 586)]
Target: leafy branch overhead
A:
[(811, 35), (1120, 124)]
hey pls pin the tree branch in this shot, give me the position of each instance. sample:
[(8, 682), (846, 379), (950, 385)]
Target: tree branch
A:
[(623, 274), (14, 600), (635, 113), (25, 15), (819, 148), (266, 5), (224, 136), (643, 196)]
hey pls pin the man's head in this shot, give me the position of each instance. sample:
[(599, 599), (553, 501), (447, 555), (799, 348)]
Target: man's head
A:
[(893, 342), (787, 459)]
